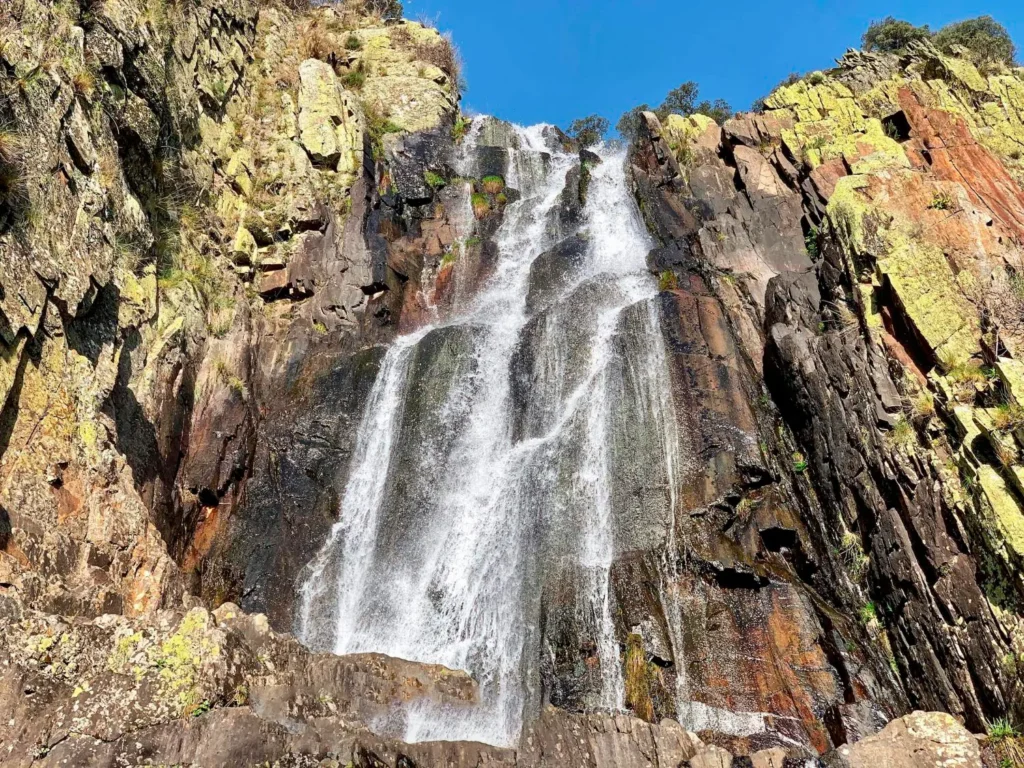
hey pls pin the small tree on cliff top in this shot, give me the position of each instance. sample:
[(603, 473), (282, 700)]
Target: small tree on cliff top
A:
[(678, 101), (629, 124), (588, 131), (986, 39), (892, 35)]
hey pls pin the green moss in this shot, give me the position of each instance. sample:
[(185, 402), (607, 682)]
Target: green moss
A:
[(799, 463), (667, 281), (637, 680), (434, 180)]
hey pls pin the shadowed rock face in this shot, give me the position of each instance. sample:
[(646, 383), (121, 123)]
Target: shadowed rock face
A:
[(192, 325)]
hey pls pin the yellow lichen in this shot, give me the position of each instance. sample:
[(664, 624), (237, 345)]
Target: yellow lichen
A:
[(179, 660)]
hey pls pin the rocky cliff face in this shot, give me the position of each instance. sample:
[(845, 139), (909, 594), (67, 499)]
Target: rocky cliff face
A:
[(214, 216)]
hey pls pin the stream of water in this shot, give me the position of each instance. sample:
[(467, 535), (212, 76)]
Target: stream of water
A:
[(453, 509)]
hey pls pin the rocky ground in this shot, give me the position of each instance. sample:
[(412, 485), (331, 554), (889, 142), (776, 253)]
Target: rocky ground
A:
[(213, 215)]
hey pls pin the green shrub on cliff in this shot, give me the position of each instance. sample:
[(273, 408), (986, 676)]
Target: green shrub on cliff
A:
[(683, 101), (629, 124), (986, 39), (678, 101), (892, 35)]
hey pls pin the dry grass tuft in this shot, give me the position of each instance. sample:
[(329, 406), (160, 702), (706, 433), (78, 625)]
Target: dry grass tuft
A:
[(315, 42)]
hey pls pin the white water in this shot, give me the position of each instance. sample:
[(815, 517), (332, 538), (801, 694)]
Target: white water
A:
[(451, 577)]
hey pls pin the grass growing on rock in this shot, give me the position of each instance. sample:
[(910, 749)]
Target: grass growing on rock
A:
[(460, 128), (378, 126), (493, 185), (434, 180), (481, 205)]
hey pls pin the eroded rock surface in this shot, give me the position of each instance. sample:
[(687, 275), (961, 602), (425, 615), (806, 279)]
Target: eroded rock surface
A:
[(215, 216)]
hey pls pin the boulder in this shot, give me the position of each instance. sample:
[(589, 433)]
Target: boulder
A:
[(919, 740)]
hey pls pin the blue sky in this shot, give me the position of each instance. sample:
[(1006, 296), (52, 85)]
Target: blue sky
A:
[(536, 61)]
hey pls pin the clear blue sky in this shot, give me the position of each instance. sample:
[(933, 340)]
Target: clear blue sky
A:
[(533, 61)]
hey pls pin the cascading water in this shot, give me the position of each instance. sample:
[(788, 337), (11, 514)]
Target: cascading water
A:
[(485, 456)]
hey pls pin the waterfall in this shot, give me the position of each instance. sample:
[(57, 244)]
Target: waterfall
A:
[(485, 459)]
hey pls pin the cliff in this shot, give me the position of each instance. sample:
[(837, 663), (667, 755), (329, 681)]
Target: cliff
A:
[(216, 216)]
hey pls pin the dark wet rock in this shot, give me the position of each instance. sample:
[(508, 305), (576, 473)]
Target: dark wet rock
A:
[(553, 271)]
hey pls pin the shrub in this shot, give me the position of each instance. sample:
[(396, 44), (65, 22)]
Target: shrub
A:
[(853, 556), (11, 145), (678, 101), (942, 201), (799, 463), (868, 614), (353, 43), (718, 110), (314, 42), (811, 243), (387, 10), (355, 80), (902, 435), (683, 101), (923, 406), (986, 39), (589, 130), (629, 124), (1008, 417), (891, 35)]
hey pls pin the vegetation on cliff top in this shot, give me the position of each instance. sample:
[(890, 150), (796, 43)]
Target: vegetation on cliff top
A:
[(985, 38), (588, 131), (678, 101)]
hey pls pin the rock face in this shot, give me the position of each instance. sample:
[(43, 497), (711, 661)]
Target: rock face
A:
[(215, 215), (886, 341)]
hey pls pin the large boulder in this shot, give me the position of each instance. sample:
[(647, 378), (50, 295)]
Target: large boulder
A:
[(919, 740)]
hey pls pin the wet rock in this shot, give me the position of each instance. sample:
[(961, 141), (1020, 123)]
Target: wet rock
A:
[(551, 273)]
